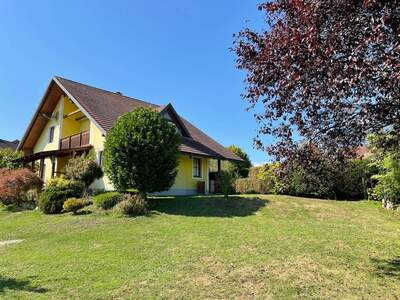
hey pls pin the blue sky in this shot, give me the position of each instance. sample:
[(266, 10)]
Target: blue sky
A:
[(161, 51)]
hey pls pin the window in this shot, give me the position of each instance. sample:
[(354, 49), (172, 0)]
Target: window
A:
[(51, 134), (196, 167), (100, 159)]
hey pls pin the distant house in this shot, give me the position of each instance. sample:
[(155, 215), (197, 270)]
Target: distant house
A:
[(6, 144), (73, 118)]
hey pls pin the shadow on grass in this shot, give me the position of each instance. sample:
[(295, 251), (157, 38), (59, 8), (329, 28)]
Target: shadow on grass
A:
[(213, 206), (387, 267), (83, 212), (18, 285), (15, 208)]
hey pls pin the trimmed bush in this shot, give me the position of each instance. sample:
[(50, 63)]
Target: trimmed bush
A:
[(83, 169), (107, 200), (244, 186), (261, 180), (132, 205), (61, 183), (52, 199), (74, 204), (15, 186), (141, 152)]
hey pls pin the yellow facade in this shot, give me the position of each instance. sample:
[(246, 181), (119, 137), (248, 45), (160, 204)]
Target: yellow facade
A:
[(68, 121)]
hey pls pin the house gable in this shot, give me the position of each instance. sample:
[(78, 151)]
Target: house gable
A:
[(51, 107), (170, 114)]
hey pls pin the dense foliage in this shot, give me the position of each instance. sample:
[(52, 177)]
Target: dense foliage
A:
[(16, 185), (7, 157), (355, 179), (310, 172), (57, 191), (141, 151), (107, 200), (386, 157), (387, 189), (132, 205), (240, 168), (225, 182), (327, 70), (83, 169), (261, 180)]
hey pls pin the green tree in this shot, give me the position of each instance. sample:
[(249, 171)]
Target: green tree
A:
[(7, 157), (141, 152), (240, 168), (386, 157), (225, 181)]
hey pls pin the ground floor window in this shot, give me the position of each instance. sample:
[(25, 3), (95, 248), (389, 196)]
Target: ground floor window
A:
[(196, 167)]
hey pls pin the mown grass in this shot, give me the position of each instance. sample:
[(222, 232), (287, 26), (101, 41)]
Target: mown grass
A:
[(203, 247)]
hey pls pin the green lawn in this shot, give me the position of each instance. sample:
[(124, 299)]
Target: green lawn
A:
[(201, 247)]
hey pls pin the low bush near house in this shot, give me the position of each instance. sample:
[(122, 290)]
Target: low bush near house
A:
[(83, 169), (74, 205), (17, 185), (52, 199), (61, 183), (132, 205), (107, 200)]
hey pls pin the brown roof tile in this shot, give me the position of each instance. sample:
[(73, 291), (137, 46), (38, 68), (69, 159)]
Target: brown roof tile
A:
[(105, 107)]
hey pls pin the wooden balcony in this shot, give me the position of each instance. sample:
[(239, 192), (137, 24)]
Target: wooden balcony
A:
[(75, 141)]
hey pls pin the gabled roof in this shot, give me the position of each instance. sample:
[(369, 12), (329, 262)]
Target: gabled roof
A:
[(104, 107)]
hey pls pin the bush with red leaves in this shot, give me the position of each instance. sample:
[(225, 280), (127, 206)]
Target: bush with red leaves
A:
[(15, 185)]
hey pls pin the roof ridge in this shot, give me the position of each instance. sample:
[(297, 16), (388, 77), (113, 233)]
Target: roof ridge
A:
[(107, 91)]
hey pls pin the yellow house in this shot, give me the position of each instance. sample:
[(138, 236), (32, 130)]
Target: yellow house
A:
[(74, 118)]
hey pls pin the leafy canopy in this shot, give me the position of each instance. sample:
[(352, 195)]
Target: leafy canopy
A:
[(240, 168), (141, 152), (326, 69)]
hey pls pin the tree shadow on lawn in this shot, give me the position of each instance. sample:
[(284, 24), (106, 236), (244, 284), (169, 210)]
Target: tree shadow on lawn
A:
[(18, 285), (211, 206), (387, 267), (12, 208)]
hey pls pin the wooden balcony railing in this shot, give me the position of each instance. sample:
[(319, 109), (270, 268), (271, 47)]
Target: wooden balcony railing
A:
[(75, 141)]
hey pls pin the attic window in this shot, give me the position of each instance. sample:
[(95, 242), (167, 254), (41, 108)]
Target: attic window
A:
[(51, 134)]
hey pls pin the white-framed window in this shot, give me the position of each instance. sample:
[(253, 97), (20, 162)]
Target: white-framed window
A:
[(197, 172)]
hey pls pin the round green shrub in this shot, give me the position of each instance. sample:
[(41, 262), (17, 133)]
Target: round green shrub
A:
[(132, 205), (107, 200), (141, 151), (51, 200), (74, 204)]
